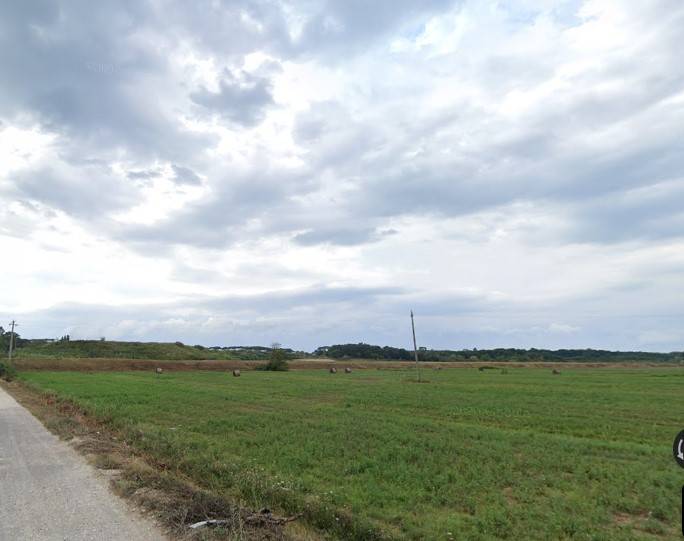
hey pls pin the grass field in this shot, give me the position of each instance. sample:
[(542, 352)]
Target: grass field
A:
[(372, 454)]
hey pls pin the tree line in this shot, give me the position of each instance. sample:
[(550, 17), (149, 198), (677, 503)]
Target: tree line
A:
[(368, 351), (64, 346), (5, 340)]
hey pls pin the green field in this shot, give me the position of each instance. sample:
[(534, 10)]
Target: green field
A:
[(467, 455)]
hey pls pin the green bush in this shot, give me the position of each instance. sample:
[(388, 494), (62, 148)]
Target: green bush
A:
[(277, 362), (7, 372)]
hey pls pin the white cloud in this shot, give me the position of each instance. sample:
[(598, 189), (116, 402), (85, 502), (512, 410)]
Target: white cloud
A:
[(562, 328), (512, 169)]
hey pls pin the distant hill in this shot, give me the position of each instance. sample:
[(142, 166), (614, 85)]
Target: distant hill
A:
[(177, 351), (173, 351), (367, 351)]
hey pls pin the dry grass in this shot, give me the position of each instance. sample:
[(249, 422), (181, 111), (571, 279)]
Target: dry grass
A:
[(103, 364)]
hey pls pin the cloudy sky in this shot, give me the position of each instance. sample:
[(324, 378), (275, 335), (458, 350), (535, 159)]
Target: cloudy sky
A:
[(306, 171)]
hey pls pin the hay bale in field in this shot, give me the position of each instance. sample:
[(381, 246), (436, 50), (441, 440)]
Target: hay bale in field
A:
[(347, 370), (333, 370), (556, 372), (236, 373)]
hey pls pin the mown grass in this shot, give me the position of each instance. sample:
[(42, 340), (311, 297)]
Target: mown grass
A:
[(372, 455)]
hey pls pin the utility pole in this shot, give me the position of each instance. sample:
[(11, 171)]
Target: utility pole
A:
[(415, 349), (11, 344)]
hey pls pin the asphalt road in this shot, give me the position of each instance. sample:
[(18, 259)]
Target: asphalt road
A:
[(48, 491)]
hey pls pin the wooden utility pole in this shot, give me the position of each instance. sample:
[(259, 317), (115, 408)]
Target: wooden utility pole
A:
[(415, 348), (11, 344)]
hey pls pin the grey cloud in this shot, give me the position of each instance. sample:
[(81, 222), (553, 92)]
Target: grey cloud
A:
[(315, 316), (229, 29), (144, 174), (336, 140), (99, 77), (315, 295), (533, 163), (74, 73), (401, 164), (308, 128), (272, 273), (181, 174), (240, 99), (560, 152), (190, 274), (23, 223), (602, 151), (223, 216), (101, 194), (651, 213), (287, 316), (349, 26), (342, 236), (185, 175)]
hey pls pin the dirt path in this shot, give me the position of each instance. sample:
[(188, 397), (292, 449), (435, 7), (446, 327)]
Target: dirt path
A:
[(48, 491)]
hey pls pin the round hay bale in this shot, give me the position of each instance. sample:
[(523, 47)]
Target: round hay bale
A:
[(159, 370), (333, 370), (236, 373), (347, 370)]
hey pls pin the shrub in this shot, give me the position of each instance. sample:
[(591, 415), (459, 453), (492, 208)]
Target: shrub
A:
[(277, 361), (7, 372)]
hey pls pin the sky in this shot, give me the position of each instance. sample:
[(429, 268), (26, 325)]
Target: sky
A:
[(308, 171)]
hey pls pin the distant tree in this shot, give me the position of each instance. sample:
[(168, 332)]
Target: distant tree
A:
[(277, 361), (5, 337)]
